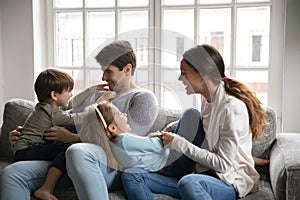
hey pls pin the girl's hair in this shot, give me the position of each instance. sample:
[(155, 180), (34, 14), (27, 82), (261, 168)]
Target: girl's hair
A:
[(205, 58), (52, 80), (94, 131)]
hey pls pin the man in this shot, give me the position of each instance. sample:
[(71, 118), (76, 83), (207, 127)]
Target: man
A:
[(86, 163)]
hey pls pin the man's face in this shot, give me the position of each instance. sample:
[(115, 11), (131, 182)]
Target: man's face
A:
[(114, 77)]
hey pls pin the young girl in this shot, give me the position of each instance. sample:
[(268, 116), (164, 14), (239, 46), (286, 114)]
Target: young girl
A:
[(107, 127)]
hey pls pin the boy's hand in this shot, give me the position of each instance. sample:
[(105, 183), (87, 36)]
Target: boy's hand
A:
[(14, 135), (106, 96)]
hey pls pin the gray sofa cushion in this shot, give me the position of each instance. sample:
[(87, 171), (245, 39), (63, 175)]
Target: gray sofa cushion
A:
[(261, 148), (285, 166), (15, 114)]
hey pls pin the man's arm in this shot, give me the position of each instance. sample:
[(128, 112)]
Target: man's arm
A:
[(61, 134), (142, 112)]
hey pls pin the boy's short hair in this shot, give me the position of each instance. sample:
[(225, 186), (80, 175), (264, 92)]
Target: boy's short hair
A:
[(118, 53), (52, 80)]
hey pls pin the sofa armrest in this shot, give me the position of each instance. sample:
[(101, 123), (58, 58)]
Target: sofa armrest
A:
[(15, 113), (285, 166)]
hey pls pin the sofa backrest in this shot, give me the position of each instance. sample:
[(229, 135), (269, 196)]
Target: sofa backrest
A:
[(261, 148), (15, 113), (17, 110)]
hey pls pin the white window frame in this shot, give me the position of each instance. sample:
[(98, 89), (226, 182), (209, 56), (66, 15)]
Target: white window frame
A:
[(276, 47)]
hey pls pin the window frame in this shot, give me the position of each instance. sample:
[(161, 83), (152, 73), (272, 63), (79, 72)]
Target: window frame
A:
[(276, 42)]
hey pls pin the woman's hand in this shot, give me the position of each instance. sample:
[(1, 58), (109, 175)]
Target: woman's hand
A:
[(14, 135), (61, 134), (106, 96), (167, 137)]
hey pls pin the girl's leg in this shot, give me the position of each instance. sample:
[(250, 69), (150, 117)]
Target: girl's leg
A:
[(87, 167), (19, 179), (190, 127), (139, 184), (204, 187)]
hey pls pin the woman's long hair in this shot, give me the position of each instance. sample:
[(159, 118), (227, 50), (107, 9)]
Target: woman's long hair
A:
[(205, 58), (93, 131)]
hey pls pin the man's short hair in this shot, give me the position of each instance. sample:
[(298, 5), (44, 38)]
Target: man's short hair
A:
[(118, 53)]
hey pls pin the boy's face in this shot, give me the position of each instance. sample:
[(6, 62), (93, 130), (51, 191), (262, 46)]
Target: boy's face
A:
[(115, 78), (64, 97)]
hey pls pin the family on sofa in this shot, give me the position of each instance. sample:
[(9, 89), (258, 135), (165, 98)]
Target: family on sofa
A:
[(211, 147)]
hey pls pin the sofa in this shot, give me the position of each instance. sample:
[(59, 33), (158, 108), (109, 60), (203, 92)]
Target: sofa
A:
[(278, 180)]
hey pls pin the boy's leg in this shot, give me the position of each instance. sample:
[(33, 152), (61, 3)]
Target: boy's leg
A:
[(19, 179), (46, 190)]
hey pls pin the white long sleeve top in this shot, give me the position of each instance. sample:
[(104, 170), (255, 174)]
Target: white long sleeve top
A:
[(228, 142)]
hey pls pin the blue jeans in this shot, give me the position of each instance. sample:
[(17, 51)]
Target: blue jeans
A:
[(87, 167), (204, 187), (190, 127), (21, 178), (140, 184)]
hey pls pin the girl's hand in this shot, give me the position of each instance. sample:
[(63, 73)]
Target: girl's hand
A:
[(167, 137)]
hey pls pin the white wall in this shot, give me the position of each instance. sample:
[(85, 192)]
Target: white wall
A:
[(291, 71), (1, 73), (17, 50)]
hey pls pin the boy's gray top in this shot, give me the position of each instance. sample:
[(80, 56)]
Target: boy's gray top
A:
[(43, 117)]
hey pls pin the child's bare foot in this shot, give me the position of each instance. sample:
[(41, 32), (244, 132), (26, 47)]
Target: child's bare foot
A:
[(44, 194), (260, 161)]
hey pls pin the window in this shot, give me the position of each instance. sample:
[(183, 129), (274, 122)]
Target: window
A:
[(239, 29)]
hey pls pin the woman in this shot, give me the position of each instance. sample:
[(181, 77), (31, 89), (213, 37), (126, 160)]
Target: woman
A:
[(231, 117)]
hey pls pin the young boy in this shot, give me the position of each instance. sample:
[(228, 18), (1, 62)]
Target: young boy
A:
[(53, 89)]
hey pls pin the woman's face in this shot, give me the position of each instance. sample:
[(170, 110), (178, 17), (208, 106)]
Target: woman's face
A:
[(191, 78)]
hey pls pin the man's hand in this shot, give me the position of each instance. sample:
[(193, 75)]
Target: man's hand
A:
[(106, 96), (14, 135), (61, 134)]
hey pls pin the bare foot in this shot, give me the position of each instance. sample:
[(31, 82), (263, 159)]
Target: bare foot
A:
[(44, 194), (260, 161)]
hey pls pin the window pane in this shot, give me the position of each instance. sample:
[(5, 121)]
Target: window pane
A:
[(215, 29), (68, 3), (134, 28), (96, 34), (141, 77), (252, 44), (244, 1), (173, 93), (177, 35), (69, 42), (213, 1), (178, 2), (257, 81), (132, 20), (129, 3), (181, 21), (100, 3)]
